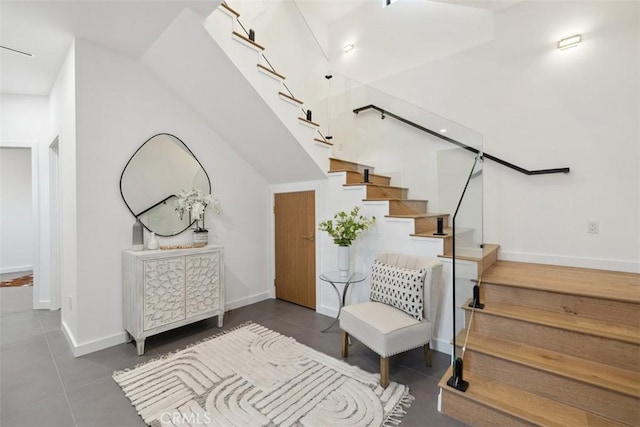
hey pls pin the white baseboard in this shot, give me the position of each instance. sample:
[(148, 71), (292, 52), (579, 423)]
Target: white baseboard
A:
[(94, 345), (441, 345), (42, 305), (16, 269), (327, 311), (241, 302), (571, 261)]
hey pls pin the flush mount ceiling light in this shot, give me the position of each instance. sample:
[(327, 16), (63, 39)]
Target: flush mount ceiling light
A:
[(17, 51), (348, 48), (569, 42), (443, 131)]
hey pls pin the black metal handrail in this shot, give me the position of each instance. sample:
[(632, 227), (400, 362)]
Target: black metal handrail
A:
[(486, 155)]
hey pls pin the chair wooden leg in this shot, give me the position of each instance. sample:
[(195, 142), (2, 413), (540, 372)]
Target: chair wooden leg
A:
[(384, 371), (427, 354), (345, 344)]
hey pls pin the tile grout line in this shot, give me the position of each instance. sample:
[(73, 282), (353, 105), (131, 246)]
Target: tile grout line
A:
[(55, 364)]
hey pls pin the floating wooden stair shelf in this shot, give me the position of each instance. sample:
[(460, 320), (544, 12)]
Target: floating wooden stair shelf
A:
[(233, 12), (323, 141), (289, 97), (553, 346), (308, 122), (272, 73), (247, 40)]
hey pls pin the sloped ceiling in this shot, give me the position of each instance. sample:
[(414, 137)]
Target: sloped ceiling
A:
[(46, 29)]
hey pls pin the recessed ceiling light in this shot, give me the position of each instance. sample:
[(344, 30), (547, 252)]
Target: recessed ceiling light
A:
[(569, 42), (443, 131), (348, 48), (17, 51)]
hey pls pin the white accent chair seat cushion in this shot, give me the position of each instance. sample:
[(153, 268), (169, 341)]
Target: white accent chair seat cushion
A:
[(383, 328)]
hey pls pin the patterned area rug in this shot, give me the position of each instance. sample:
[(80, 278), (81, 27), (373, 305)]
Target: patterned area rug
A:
[(252, 376), (18, 281)]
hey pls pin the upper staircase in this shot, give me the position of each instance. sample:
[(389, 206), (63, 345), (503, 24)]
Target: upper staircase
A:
[(552, 346)]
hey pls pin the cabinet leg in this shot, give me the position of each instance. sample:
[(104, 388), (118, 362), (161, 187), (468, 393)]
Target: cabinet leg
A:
[(129, 337), (220, 316), (140, 347)]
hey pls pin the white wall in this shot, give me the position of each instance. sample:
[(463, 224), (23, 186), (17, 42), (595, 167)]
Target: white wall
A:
[(16, 222), (63, 120), (119, 106), (542, 108), (25, 122)]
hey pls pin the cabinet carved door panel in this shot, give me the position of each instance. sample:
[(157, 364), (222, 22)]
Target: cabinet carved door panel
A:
[(164, 300), (203, 281)]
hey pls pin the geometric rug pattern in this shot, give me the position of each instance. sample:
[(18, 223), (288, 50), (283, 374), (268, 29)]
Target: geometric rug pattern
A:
[(252, 376)]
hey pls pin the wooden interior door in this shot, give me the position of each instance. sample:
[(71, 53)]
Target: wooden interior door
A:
[(295, 247)]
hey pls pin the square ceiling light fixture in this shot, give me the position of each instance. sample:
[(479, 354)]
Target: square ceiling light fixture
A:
[(569, 42), (348, 48)]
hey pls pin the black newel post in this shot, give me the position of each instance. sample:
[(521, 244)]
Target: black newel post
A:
[(252, 35), (366, 175)]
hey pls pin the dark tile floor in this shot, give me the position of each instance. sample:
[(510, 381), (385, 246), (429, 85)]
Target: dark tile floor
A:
[(42, 384)]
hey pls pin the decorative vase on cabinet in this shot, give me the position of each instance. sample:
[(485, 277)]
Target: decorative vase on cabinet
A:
[(172, 288)]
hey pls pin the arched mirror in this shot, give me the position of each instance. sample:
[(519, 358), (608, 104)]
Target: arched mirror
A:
[(153, 177)]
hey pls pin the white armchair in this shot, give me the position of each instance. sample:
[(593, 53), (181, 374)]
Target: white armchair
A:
[(388, 330)]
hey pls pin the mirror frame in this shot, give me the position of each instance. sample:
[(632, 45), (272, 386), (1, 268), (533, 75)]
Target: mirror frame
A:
[(168, 197)]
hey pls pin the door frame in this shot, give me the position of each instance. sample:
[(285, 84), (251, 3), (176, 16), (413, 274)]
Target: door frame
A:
[(35, 216), (318, 187), (55, 225)]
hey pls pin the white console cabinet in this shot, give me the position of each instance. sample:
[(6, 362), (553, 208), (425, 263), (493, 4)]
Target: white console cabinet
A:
[(165, 289)]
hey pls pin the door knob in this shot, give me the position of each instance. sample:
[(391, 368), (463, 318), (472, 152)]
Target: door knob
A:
[(310, 237)]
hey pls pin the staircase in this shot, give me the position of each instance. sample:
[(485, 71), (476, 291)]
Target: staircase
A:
[(400, 207), (555, 346)]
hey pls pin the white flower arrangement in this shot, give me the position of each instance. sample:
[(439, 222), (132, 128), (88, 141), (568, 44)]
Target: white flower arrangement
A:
[(345, 227), (194, 202)]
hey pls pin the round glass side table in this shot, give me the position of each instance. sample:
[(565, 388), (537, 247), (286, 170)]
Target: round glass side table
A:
[(335, 277)]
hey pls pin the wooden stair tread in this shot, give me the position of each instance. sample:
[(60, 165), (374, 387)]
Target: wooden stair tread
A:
[(226, 6), (323, 141), (583, 325), (522, 404), (588, 371), (448, 235), (350, 162), (612, 285), (290, 97), (375, 185), (360, 173), (419, 215), (274, 73), (487, 249), (246, 39), (303, 119)]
